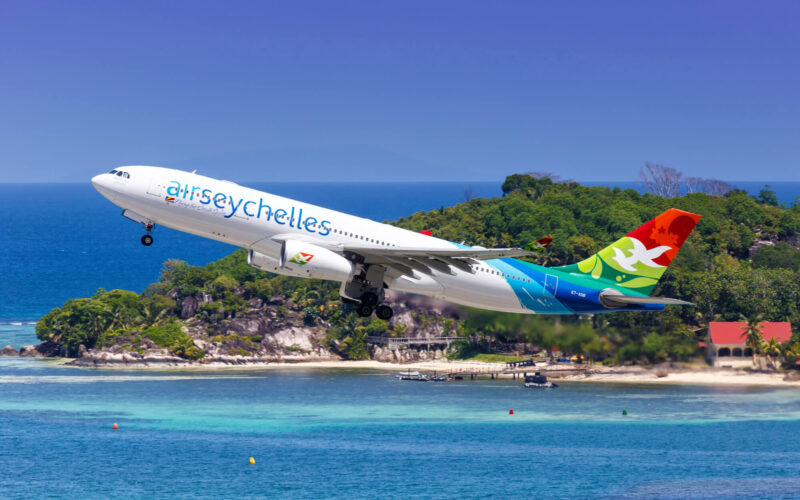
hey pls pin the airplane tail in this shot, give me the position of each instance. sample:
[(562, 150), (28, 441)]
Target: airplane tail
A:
[(637, 260)]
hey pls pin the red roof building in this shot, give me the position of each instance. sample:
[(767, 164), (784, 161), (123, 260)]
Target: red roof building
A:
[(728, 338)]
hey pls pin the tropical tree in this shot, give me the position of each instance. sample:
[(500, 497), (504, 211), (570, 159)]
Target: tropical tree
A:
[(791, 355), (355, 344), (771, 347), (751, 331)]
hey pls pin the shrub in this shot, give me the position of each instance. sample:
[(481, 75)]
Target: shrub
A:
[(172, 337)]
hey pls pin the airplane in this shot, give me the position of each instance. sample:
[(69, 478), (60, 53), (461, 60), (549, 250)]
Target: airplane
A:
[(293, 238)]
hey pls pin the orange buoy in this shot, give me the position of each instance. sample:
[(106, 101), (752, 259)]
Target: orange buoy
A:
[(510, 412), (115, 426)]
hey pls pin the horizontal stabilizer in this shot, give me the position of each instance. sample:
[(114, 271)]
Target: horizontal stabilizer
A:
[(539, 245), (610, 300)]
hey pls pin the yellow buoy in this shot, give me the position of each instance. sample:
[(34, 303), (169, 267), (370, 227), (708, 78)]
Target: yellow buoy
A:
[(252, 461)]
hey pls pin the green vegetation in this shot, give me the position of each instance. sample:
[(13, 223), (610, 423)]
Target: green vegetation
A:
[(719, 269), (171, 336), (713, 269), (351, 332), (494, 358)]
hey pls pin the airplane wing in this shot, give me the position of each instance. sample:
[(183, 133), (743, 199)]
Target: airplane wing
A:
[(406, 260)]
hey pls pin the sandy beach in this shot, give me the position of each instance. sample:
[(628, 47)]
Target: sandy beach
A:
[(596, 374), (707, 377)]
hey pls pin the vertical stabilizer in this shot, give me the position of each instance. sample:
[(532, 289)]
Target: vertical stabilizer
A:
[(638, 260)]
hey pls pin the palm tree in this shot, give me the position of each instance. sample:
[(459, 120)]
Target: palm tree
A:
[(752, 333), (355, 344), (791, 355), (771, 347)]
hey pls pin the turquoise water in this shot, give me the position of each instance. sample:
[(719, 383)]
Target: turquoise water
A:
[(363, 434)]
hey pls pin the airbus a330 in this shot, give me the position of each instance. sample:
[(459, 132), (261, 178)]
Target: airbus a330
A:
[(293, 238)]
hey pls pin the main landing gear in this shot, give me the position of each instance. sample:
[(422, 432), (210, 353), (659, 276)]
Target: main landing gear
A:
[(147, 239), (368, 287), (383, 312)]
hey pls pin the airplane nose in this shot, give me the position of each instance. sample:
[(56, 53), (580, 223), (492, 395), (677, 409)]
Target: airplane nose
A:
[(102, 183)]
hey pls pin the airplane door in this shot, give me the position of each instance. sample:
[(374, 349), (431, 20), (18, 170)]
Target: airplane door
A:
[(156, 187), (550, 285)]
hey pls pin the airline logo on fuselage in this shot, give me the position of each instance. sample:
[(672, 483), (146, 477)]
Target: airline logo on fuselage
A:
[(230, 206)]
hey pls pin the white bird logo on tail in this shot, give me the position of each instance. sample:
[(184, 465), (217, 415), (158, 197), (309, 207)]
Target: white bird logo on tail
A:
[(639, 254)]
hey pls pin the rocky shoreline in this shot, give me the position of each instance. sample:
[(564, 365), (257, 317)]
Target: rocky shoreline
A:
[(266, 332)]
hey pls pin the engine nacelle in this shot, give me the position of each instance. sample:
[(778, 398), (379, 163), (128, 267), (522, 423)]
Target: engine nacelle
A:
[(304, 260)]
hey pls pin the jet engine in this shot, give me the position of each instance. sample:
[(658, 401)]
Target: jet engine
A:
[(305, 260)]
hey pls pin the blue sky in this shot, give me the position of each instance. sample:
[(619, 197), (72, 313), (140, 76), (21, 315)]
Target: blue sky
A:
[(378, 90)]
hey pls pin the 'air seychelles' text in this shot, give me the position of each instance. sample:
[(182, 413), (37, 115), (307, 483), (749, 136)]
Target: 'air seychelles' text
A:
[(249, 208)]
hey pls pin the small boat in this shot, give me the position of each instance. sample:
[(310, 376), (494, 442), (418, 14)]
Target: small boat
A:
[(415, 376), (538, 381)]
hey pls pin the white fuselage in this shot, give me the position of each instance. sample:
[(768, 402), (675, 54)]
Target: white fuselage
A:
[(227, 212)]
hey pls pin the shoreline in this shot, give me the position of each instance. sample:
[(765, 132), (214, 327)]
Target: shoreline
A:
[(704, 376)]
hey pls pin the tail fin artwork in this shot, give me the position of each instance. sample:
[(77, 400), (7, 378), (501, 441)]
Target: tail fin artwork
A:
[(637, 261)]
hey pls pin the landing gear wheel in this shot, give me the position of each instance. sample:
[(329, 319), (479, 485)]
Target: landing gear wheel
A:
[(384, 312), (364, 310), (369, 299), (147, 240)]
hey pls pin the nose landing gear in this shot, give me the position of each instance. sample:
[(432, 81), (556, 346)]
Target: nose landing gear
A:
[(147, 239)]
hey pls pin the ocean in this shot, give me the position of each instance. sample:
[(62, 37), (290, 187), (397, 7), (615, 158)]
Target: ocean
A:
[(363, 434), (337, 433)]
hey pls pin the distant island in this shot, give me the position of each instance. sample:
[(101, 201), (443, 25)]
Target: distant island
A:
[(742, 261)]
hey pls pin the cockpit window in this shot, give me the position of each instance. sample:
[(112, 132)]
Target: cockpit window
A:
[(113, 172), (119, 174), (126, 175)]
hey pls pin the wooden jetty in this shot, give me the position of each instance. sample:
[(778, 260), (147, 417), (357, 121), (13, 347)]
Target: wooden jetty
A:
[(550, 371), (395, 342)]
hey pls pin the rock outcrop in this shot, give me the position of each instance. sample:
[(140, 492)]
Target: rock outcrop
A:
[(264, 331), (8, 351)]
